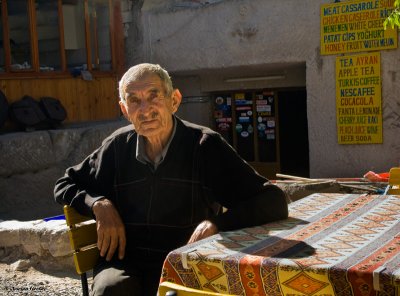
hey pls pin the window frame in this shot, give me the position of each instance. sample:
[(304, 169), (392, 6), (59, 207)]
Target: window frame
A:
[(34, 71)]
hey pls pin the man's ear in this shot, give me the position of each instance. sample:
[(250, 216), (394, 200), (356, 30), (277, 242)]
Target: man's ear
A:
[(123, 109), (176, 100)]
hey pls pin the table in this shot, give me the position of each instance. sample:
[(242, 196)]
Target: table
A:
[(331, 244)]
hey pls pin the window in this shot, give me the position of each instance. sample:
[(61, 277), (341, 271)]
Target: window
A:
[(19, 40), (41, 36), (100, 34), (48, 35)]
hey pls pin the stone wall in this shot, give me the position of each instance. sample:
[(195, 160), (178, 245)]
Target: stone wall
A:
[(31, 162)]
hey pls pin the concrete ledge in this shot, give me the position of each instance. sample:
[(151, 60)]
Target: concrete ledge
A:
[(32, 243), (36, 237), (296, 191)]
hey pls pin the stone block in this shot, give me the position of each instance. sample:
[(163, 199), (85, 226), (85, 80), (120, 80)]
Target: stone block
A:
[(22, 152), (36, 237)]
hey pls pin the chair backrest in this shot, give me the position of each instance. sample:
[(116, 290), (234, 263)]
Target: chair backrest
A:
[(83, 238), (394, 181), (170, 288)]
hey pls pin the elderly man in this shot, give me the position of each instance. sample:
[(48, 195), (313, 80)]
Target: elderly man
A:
[(158, 184)]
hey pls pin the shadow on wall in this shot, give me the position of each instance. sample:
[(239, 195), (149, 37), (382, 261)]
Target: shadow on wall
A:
[(32, 162)]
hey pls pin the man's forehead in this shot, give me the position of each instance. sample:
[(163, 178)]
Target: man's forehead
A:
[(146, 83)]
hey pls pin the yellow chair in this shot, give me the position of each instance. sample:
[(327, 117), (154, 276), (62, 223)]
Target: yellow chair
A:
[(394, 181), (83, 238), (172, 289)]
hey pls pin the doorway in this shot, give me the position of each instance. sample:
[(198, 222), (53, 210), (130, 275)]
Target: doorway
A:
[(293, 133), (268, 128)]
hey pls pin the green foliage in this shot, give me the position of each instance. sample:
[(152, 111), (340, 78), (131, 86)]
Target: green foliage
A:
[(394, 18)]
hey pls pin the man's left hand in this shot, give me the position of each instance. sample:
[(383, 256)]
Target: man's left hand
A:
[(203, 230)]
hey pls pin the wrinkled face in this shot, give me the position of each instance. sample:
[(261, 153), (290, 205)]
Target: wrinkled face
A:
[(148, 107)]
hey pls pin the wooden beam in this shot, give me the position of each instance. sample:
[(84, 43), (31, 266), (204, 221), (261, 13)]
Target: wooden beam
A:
[(6, 37), (117, 39), (61, 33)]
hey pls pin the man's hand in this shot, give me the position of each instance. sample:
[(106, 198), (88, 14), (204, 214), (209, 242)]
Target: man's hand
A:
[(110, 229), (203, 230)]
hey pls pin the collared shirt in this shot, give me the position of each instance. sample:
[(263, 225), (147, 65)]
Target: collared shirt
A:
[(141, 150)]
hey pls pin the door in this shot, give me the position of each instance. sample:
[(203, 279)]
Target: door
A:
[(293, 133)]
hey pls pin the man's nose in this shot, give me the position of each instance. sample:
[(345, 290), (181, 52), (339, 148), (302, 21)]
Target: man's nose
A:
[(144, 105)]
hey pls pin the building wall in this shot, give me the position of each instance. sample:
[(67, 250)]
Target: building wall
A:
[(202, 43)]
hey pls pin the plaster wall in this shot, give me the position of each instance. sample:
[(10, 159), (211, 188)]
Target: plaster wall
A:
[(202, 43)]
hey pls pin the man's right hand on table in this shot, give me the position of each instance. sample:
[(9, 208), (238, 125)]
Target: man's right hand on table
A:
[(110, 229)]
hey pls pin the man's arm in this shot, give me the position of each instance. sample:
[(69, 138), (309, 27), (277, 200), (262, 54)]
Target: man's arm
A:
[(67, 192), (267, 206), (230, 181), (88, 188), (91, 180)]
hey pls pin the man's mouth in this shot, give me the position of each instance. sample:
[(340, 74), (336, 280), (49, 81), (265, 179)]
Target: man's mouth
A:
[(148, 121)]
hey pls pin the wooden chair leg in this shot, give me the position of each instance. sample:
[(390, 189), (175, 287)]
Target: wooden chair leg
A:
[(85, 287)]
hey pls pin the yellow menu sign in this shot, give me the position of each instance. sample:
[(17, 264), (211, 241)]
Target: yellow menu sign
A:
[(356, 26), (358, 99)]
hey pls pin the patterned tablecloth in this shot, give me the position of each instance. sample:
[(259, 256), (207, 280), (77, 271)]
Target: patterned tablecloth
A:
[(332, 244)]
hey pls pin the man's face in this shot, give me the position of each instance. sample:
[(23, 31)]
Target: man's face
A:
[(148, 107)]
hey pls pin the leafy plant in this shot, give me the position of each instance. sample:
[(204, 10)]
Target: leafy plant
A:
[(394, 18)]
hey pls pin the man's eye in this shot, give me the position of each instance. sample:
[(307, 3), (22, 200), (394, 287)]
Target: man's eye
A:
[(133, 100), (153, 96)]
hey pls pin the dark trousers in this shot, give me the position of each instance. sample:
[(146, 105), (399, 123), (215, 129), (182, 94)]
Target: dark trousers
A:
[(126, 277)]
